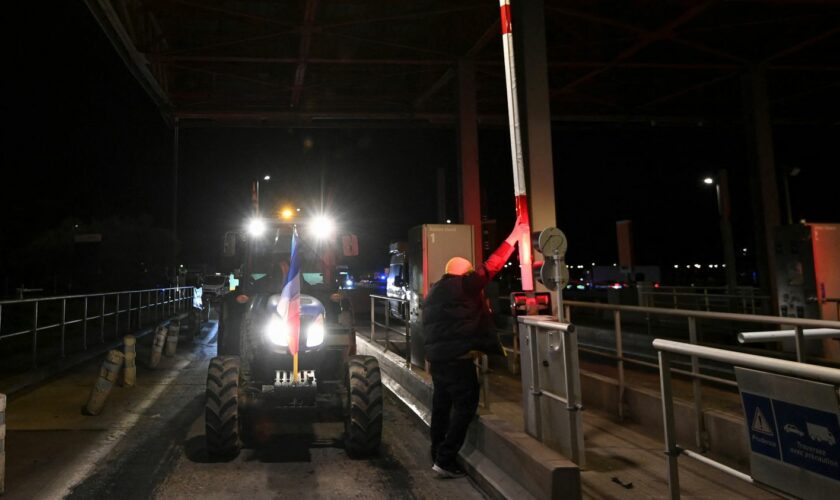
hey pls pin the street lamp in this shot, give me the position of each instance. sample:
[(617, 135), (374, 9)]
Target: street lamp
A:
[(725, 213)]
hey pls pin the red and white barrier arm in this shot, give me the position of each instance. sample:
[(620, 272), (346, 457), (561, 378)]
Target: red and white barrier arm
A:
[(519, 182)]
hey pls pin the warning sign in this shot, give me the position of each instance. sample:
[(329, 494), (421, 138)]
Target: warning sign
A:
[(760, 423), (759, 411)]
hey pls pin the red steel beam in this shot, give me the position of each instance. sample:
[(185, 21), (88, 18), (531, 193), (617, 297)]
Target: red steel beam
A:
[(662, 33)]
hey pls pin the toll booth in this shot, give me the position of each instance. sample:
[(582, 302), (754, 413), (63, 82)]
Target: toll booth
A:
[(808, 270), (430, 246)]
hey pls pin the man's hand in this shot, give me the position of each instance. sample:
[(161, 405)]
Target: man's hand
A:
[(519, 229)]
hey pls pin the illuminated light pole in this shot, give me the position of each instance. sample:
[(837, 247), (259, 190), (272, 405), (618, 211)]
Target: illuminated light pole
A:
[(725, 212), (519, 182)]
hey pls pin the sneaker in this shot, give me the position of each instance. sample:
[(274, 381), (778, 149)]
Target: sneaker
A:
[(452, 472)]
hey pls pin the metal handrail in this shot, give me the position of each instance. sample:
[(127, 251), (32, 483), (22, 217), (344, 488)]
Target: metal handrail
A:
[(387, 325), (666, 348), (691, 317), (158, 301)]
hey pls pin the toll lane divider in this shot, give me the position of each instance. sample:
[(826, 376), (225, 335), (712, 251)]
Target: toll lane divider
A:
[(504, 461)]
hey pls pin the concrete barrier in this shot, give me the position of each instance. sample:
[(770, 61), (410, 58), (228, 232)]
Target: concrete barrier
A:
[(157, 346), (505, 462), (130, 353), (108, 374), (2, 443), (172, 338)]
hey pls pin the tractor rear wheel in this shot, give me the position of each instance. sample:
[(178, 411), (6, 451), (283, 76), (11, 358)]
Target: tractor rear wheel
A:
[(363, 425), (221, 407)]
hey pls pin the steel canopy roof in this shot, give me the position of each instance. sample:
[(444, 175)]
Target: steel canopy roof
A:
[(356, 62)]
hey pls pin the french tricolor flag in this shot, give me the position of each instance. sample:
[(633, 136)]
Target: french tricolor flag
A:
[(289, 306)]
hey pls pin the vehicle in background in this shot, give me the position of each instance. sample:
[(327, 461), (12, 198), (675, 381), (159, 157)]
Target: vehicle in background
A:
[(215, 286), (396, 284)]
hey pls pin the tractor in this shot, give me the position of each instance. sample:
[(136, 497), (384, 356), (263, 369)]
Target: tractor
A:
[(255, 372)]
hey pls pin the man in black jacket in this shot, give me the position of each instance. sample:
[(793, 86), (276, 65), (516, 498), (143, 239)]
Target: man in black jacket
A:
[(457, 321)]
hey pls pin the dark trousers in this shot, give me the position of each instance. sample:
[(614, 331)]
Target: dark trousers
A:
[(454, 404)]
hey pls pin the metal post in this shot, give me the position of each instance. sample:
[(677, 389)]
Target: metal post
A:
[(387, 324), (128, 314), (535, 379), (696, 388), (117, 316), (373, 317), (84, 324), (63, 324), (671, 450), (568, 342), (800, 344), (407, 336), (102, 319), (139, 309), (619, 353), (706, 298), (568, 313), (35, 335)]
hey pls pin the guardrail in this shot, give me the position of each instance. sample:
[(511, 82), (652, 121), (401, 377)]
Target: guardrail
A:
[(38, 317), (666, 348), (403, 303), (744, 299), (571, 437), (691, 317)]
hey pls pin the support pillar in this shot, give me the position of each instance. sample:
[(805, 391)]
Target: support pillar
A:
[(532, 77), (763, 174), (175, 157), (468, 153)]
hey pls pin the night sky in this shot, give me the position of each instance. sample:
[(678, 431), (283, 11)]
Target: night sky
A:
[(81, 140)]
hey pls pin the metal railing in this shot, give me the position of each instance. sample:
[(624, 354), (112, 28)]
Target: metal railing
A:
[(560, 338), (667, 348), (403, 304), (41, 318), (691, 318), (745, 300)]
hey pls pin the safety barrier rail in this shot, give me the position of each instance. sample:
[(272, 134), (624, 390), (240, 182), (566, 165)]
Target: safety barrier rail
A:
[(560, 338), (745, 300), (691, 318), (40, 318), (406, 332), (667, 348)]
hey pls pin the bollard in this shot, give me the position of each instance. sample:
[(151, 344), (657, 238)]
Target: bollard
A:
[(130, 353), (2, 443), (157, 345), (108, 374), (172, 338)]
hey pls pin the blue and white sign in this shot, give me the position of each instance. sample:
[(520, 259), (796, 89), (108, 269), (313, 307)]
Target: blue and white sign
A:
[(793, 426)]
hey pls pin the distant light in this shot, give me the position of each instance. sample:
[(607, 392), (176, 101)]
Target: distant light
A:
[(593, 263), (698, 266), (724, 265), (711, 266), (449, 221), (708, 180), (614, 264), (688, 267), (286, 213), (267, 178), (676, 266), (616, 286), (256, 227), (744, 250), (349, 282), (297, 209)]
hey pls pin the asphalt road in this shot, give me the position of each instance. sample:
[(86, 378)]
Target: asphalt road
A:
[(150, 444)]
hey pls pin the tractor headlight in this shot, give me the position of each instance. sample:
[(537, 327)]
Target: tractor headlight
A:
[(256, 227), (322, 227), (315, 333), (278, 331)]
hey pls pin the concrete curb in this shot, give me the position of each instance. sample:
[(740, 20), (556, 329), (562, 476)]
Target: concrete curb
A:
[(505, 462)]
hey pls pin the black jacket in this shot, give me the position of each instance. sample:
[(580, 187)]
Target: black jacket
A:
[(456, 319)]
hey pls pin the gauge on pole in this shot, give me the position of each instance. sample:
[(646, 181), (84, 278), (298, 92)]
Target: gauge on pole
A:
[(551, 241), (548, 274)]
